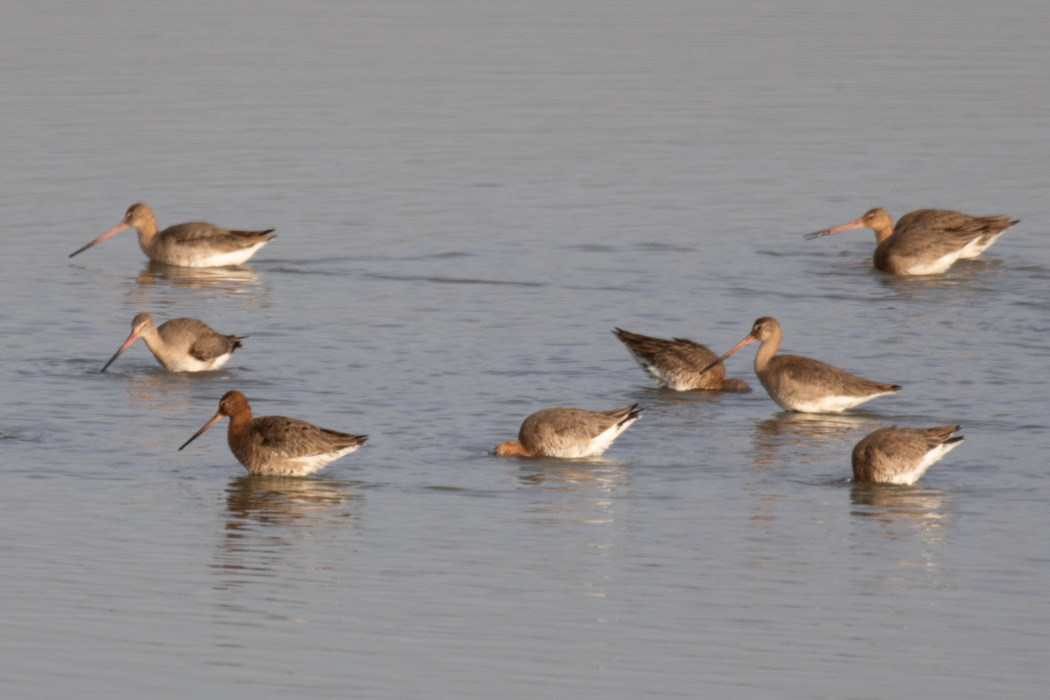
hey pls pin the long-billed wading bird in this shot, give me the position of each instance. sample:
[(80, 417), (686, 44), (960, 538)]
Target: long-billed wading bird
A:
[(194, 244), (276, 445), (802, 384), (569, 432), (927, 241), (676, 363), (901, 455), (181, 344)]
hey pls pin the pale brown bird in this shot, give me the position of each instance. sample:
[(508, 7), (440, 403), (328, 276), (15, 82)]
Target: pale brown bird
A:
[(276, 445), (569, 432), (194, 244), (901, 455), (927, 241), (802, 384), (676, 363), (181, 344)]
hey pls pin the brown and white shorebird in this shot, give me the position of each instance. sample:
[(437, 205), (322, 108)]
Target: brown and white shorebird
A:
[(676, 363), (901, 455), (569, 432), (927, 241), (194, 244), (181, 344), (276, 445), (800, 383)]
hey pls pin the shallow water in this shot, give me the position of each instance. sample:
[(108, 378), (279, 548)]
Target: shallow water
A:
[(468, 198)]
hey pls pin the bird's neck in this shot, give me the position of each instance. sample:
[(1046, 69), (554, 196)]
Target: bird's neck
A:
[(153, 340), (147, 230), (240, 420), (883, 230), (766, 352)]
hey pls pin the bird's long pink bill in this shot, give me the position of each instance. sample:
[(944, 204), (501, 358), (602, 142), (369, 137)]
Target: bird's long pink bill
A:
[(101, 238), (746, 341), (127, 344), (215, 419), (859, 223)]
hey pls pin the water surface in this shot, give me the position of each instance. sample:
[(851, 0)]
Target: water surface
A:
[(468, 198)]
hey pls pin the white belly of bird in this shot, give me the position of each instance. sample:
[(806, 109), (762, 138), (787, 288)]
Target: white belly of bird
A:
[(827, 404), (189, 363), (591, 448), (666, 379), (976, 247), (934, 267), (204, 259), (301, 466), (909, 477)]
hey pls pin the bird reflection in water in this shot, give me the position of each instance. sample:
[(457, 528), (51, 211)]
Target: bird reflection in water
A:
[(807, 437), (902, 510), (288, 500), (574, 491), (156, 388), (569, 475), (269, 528), (233, 280)]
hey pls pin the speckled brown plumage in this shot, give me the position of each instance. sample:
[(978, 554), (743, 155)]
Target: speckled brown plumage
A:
[(277, 445), (676, 363)]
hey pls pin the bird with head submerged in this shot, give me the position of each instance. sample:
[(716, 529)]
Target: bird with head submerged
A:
[(676, 363), (569, 432), (901, 455)]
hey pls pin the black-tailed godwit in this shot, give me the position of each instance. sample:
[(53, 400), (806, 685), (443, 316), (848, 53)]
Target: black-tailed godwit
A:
[(569, 432), (276, 445), (194, 244)]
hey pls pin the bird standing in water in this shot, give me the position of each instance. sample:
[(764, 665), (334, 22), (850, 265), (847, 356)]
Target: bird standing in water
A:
[(194, 244), (802, 384), (276, 445), (927, 241), (181, 344)]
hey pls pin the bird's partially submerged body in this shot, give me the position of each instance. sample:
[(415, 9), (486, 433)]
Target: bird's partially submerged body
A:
[(181, 344), (676, 363), (926, 241), (569, 432), (901, 455), (193, 244)]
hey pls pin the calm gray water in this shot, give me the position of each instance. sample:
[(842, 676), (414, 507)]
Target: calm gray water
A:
[(468, 197)]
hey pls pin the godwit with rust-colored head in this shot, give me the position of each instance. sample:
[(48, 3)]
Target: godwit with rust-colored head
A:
[(194, 244), (569, 432), (276, 445), (901, 455), (927, 241), (676, 363), (181, 344), (800, 383)]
